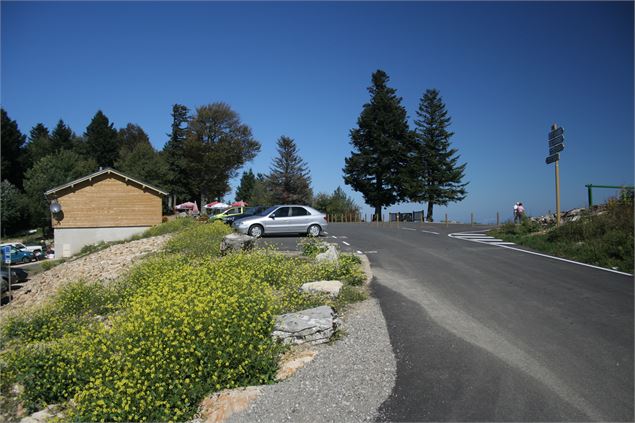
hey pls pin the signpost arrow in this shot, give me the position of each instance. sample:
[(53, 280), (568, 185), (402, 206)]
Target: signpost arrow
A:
[(553, 158), (556, 149), (557, 140), (556, 132)]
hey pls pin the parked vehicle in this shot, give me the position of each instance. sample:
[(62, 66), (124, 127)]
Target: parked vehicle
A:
[(21, 256), (248, 212), (230, 213), (17, 275), (283, 219), (36, 249)]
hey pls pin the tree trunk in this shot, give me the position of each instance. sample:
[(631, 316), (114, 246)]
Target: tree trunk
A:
[(429, 216), (378, 213)]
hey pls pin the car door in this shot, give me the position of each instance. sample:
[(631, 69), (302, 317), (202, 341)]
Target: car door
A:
[(278, 221), (299, 220)]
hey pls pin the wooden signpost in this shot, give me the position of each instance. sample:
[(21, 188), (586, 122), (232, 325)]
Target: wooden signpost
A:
[(556, 145)]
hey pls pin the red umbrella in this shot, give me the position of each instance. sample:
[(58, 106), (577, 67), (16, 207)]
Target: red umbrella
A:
[(239, 204)]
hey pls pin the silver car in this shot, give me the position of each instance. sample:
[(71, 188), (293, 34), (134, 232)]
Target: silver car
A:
[(283, 219)]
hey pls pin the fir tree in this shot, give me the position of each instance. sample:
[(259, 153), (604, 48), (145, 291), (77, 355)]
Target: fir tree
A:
[(289, 179), (173, 154), (39, 144), (101, 140), (62, 137), (11, 151), (380, 145), (440, 180), (245, 190)]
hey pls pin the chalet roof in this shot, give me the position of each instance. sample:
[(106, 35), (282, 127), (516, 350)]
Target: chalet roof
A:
[(107, 170)]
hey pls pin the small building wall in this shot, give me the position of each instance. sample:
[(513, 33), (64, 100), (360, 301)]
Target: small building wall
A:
[(70, 241), (108, 200)]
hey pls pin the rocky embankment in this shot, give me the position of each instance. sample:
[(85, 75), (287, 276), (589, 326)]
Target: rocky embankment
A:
[(105, 265)]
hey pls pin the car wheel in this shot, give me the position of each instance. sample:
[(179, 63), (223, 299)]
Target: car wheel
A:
[(255, 231), (314, 230), (25, 260)]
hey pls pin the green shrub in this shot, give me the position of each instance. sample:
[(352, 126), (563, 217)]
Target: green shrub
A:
[(171, 226), (70, 310), (198, 240), (312, 246), (49, 264)]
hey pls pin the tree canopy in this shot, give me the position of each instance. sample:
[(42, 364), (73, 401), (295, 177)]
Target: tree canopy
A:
[(440, 177), (380, 144), (101, 140), (289, 179), (217, 145)]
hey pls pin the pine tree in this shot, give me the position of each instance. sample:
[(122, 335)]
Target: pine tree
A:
[(101, 140), (289, 179), (245, 190), (440, 180), (11, 151), (380, 143), (39, 144), (173, 154), (62, 137)]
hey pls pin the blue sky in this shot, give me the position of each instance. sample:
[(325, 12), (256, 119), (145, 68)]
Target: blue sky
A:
[(506, 72)]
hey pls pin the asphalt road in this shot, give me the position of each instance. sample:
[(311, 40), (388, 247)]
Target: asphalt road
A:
[(485, 333)]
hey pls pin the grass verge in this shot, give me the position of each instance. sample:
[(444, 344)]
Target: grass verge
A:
[(604, 240)]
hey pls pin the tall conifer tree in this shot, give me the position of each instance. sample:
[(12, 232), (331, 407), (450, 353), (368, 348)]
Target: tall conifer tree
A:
[(62, 137), (39, 144), (174, 156), (11, 151), (380, 145), (289, 179), (440, 180), (102, 143)]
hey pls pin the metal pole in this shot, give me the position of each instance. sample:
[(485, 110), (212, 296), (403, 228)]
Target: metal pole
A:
[(498, 219), (446, 220), (558, 192), (472, 219), (590, 194)]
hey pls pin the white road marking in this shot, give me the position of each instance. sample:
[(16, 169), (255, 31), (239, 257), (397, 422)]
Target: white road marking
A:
[(346, 243), (408, 229), (430, 232), (370, 252), (359, 252), (333, 236)]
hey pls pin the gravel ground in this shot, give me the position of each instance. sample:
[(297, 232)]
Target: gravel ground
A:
[(347, 381)]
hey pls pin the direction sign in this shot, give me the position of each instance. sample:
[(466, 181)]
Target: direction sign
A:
[(553, 158), (6, 254), (556, 149), (555, 141), (555, 133)]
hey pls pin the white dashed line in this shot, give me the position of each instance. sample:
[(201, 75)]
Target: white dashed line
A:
[(346, 243), (430, 232), (408, 229), (359, 252), (333, 236)]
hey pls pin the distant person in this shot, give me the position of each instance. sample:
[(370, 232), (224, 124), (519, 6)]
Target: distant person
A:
[(520, 212), (516, 211)]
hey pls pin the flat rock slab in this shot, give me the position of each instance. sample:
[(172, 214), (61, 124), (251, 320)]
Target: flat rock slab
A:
[(236, 242), (331, 288), (315, 326)]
